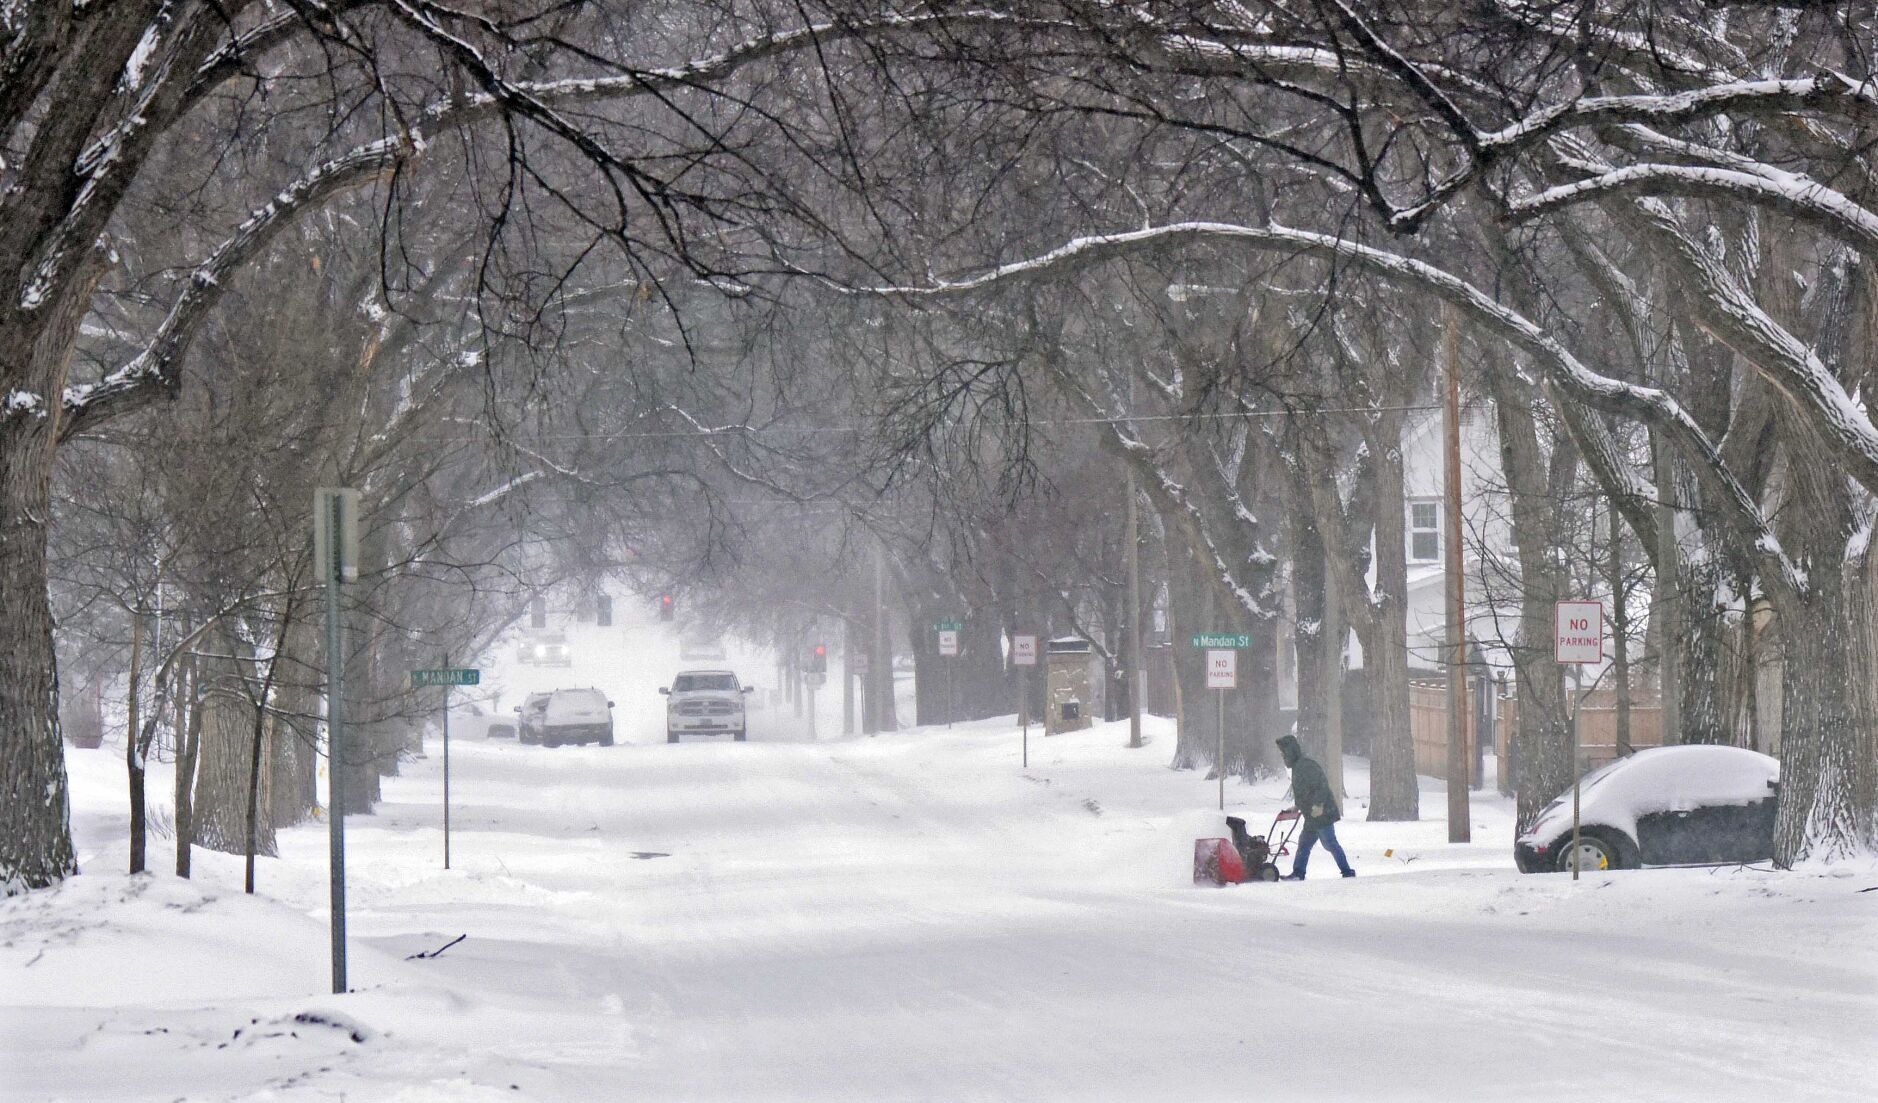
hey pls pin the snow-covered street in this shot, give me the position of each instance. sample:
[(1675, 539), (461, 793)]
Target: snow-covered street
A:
[(913, 916)]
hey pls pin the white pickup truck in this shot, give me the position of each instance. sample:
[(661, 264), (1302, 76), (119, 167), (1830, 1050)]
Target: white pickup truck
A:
[(705, 702)]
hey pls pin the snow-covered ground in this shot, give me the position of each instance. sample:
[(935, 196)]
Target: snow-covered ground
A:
[(912, 916)]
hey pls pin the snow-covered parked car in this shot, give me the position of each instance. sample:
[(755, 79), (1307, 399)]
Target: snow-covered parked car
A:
[(705, 702), (528, 717), (1685, 805), (577, 716)]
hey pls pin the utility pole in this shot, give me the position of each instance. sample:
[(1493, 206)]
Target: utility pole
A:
[(847, 677), (1134, 616), (880, 668), (1459, 813)]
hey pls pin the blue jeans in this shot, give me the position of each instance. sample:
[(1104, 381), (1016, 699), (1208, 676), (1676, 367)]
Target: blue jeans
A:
[(1328, 833)]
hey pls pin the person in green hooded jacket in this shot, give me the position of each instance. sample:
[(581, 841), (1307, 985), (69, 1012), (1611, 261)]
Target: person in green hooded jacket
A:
[(1318, 804)]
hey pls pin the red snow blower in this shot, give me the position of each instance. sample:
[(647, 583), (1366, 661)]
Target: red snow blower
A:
[(1244, 857)]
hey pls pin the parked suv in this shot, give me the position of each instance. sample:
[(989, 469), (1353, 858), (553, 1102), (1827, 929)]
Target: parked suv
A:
[(577, 716), (705, 702)]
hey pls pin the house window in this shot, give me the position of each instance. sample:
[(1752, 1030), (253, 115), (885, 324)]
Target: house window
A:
[(1424, 532)]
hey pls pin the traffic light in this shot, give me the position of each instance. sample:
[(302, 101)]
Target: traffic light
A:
[(665, 607), (818, 660)]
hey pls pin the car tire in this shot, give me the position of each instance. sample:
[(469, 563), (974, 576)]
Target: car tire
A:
[(671, 737), (739, 734), (1609, 849), (606, 740), (550, 740)]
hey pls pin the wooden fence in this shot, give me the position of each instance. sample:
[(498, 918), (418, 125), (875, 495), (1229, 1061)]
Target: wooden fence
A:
[(1428, 726), (1597, 730)]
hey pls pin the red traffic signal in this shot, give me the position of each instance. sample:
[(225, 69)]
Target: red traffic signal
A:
[(665, 607), (819, 662)]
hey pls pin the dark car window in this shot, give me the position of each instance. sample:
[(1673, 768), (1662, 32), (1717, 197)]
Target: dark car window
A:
[(686, 683)]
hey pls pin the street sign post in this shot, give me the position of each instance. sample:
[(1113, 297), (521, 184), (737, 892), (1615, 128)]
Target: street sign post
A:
[(1578, 637), (446, 676), (1222, 673), (948, 648), (1024, 658), (336, 558)]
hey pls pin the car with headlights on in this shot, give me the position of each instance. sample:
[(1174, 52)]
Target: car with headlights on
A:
[(1693, 804)]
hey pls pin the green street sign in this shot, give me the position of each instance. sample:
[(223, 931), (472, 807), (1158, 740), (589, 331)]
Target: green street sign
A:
[(449, 676), (948, 626), (1220, 639)]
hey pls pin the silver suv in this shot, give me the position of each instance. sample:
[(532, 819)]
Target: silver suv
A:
[(705, 702), (577, 716)]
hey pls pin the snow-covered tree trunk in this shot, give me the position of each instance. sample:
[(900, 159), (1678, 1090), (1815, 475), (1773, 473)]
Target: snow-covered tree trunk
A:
[(291, 758), (1827, 640), (1708, 631), (1394, 792), (188, 746), (220, 806), (35, 354), (35, 844), (1543, 750), (1310, 592)]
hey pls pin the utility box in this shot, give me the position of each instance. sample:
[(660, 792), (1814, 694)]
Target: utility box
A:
[(1074, 694)]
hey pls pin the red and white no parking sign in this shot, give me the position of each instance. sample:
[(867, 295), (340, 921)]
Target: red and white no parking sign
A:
[(1579, 634)]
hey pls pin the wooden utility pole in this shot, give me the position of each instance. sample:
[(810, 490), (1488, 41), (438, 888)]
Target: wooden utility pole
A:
[(1134, 616), (1459, 813)]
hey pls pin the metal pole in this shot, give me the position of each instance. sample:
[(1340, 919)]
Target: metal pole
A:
[(1023, 711), (446, 766), (951, 697), (1577, 772), (1459, 813), (847, 677), (1220, 762), (880, 667), (1134, 615), (335, 742)]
